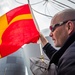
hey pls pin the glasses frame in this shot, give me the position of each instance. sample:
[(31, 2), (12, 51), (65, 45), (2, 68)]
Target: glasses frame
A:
[(53, 27)]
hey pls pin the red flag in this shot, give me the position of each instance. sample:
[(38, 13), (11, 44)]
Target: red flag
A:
[(19, 29)]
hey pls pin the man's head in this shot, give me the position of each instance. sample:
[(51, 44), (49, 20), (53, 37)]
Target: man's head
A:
[(62, 26)]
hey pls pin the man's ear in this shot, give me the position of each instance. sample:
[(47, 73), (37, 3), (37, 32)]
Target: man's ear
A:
[(70, 27)]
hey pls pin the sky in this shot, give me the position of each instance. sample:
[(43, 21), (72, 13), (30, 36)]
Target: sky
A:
[(43, 10), (6, 5)]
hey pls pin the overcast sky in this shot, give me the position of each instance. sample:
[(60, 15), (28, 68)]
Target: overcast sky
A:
[(40, 9)]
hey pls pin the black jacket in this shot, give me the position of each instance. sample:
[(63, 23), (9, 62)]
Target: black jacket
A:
[(64, 58)]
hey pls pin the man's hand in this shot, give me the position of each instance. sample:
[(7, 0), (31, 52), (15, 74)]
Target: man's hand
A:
[(44, 41)]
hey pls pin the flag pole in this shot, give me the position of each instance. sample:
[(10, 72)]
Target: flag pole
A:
[(33, 16), (39, 41)]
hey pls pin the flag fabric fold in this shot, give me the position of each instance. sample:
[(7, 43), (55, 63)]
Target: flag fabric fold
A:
[(17, 28)]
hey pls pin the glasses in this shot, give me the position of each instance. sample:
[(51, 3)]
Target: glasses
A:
[(53, 27)]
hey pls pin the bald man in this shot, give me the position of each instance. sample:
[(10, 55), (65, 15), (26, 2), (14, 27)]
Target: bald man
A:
[(63, 34)]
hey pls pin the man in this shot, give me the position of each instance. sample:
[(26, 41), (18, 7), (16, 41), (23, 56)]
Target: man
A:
[(63, 34)]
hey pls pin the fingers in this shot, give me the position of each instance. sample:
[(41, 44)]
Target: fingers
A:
[(43, 39)]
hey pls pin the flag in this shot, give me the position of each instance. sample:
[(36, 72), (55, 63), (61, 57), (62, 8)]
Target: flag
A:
[(16, 29)]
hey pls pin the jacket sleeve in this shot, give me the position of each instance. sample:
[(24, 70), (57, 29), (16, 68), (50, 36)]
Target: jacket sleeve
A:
[(49, 50)]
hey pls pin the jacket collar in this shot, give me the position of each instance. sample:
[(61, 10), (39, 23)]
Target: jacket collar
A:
[(59, 53)]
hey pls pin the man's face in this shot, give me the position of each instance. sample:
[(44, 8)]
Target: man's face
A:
[(59, 34)]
